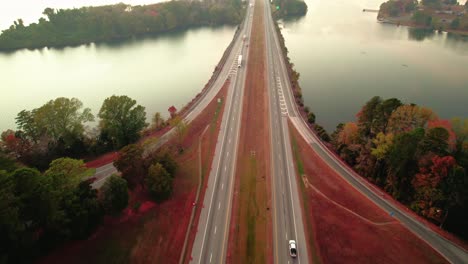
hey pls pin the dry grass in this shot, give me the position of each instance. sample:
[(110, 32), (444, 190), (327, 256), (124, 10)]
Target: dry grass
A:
[(346, 226)]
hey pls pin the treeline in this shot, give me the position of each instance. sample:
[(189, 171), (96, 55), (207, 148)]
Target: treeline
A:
[(289, 8), (65, 27), (39, 211), (59, 129), (413, 155)]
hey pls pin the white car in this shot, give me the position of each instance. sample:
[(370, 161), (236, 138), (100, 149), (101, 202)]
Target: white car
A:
[(292, 248)]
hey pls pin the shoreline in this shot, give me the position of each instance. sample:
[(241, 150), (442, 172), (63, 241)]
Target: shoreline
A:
[(410, 25)]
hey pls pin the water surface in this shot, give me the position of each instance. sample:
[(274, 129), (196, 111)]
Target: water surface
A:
[(345, 57)]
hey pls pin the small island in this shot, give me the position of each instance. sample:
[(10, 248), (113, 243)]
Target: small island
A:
[(71, 27), (441, 15)]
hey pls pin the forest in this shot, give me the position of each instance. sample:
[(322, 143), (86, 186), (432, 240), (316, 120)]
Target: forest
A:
[(68, 27), (46, 196), (289, 9), (415, 156)]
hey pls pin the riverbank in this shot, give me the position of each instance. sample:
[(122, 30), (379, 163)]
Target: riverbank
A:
[(443, 17)]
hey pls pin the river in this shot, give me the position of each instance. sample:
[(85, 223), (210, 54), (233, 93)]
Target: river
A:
[(157, 72), (345, 57)]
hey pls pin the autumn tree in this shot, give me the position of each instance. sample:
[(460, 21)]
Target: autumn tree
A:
[(122, 120), (114, 194), (435, 141), (439, 187), (408, 117), (159, 182), (131, 164)]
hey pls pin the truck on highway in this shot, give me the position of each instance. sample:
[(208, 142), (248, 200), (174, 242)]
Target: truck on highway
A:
[(239, 61)]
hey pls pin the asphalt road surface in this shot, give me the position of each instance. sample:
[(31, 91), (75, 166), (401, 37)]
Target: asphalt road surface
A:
[(287, 212), (213, 229), (227, 71)]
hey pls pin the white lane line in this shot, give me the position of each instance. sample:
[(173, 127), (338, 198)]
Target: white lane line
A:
[(215, 229), (219, 205), (231, 128), (222, 186), (229, 140), (227, 154), (211, 255), (225, 168)]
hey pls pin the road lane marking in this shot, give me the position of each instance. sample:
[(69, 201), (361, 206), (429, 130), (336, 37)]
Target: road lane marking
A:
[(211, 255), (227, 154), (219, 205), (225, 168), (215, 229), (222, 186)]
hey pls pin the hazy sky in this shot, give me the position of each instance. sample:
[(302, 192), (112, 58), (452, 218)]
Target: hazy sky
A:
[(31, 10)]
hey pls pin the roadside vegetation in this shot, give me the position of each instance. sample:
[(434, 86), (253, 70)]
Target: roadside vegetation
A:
[(441, 15), (68, 27), (288, 8), (412, 154)]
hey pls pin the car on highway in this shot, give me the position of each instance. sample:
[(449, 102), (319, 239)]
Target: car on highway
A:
[(292, 248)]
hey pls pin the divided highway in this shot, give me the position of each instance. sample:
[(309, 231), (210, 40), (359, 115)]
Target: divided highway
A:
[(287, 212), (105, 171), (449, 250), (210, 244)]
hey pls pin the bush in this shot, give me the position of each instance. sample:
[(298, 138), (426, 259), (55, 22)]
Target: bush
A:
[(115, 194), (311, 118), (159, 182)]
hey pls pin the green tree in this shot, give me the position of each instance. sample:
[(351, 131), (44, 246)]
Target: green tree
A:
[(115, 194), (402, 163), (62, 120), (159, 182), (181, 130), (122, 119), (311, 118), (130, 163), (436, 141), (73, 171), (455, 24)]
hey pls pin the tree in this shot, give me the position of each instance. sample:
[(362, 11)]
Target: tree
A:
[(82, 210), (366, 116), (130, 163), (73, 171), (114, 194), (122, 119), (159, 182), (349, 134), (62, 120), (383, 144), (311, 118), (158, 121), (436, 141), (181, 129), (402, 163), (455, 23), (408, 117), (452, 137)]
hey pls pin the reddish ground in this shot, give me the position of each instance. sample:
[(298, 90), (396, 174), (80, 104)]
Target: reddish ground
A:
[(250, 236), (153, 232), (347, 227)]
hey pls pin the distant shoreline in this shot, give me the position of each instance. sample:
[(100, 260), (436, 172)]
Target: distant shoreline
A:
[(388, 20)]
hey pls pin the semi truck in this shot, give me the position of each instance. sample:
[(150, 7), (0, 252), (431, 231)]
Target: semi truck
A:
[(239, 61)]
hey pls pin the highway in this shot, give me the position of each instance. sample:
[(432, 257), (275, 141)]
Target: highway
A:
[(287, 212), (228, 70), (210, 243), (447, 249)]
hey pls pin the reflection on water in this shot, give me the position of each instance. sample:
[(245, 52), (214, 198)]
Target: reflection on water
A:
[(345, 57), (157, 71)]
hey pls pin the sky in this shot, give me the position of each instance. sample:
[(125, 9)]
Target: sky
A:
[(31, 10)]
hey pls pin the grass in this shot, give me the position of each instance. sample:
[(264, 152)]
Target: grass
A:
[(309, 222), (252, 210)]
